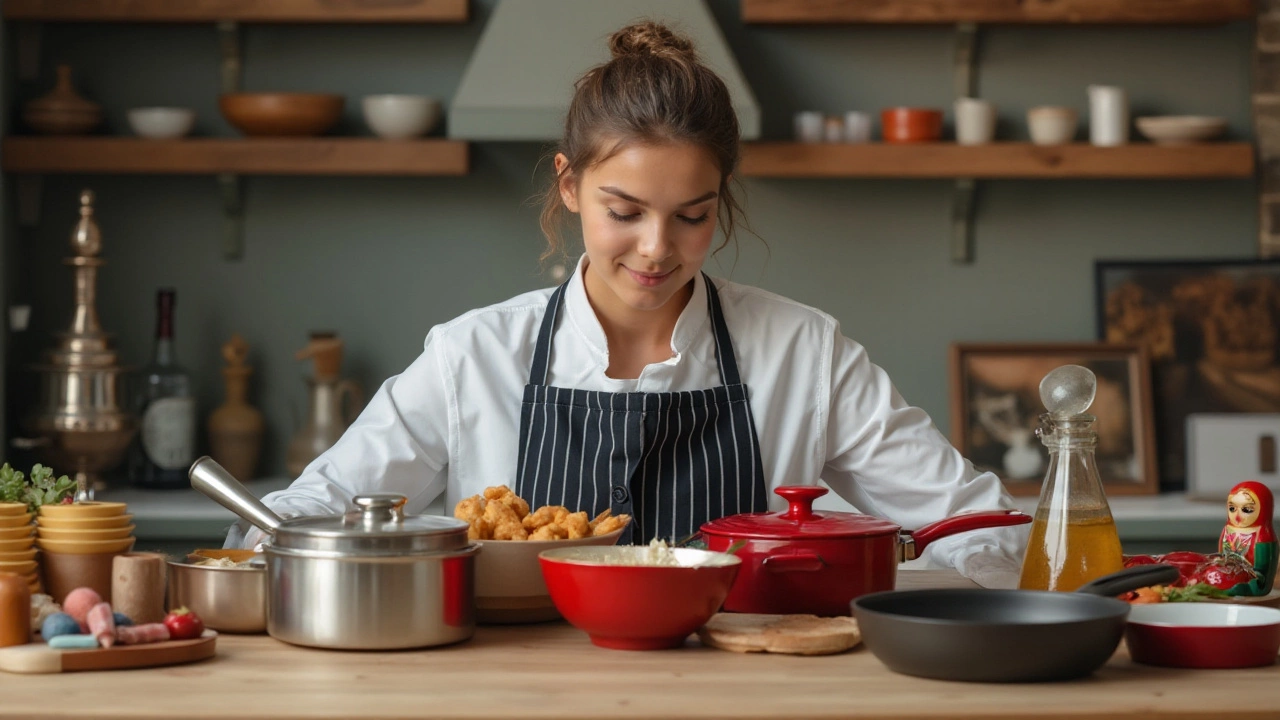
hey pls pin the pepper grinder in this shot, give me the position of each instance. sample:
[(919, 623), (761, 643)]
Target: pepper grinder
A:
[(236, 427)]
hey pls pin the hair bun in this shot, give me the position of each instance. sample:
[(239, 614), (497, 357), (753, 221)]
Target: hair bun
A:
[(650, 39)]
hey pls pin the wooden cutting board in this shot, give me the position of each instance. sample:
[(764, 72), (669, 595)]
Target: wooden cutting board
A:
[(38, 657), (787, 634)]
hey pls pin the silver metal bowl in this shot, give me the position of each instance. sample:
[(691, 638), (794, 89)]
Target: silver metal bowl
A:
[(227, 599)]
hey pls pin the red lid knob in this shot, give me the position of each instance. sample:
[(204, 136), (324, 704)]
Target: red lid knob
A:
[(800, 500)]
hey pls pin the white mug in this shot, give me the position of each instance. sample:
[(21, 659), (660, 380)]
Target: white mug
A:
[(1108, 115), (857, 127), (809, 126), (1052, 125), (975, 121)]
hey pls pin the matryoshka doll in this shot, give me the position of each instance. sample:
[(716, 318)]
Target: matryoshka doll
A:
[(1250, 534)]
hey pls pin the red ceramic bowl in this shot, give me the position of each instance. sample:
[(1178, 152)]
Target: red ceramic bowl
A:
[(908, 125), (1203, 635), (637, 607)]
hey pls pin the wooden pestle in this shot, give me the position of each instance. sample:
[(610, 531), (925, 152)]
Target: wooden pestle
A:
[(138, 586)]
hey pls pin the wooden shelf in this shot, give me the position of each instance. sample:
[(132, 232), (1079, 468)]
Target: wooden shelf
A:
[(997, 11), (254, 156), (254, 11), (999, 160)]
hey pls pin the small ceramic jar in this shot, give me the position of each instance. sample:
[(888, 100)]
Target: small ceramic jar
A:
[(15, 610), (907, 125)]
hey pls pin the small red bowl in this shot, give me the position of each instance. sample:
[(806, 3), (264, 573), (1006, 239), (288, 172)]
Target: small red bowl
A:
[(907, 125), (1203, 635), (634, 606)]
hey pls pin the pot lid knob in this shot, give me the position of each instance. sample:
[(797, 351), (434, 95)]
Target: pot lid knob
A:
[(379, 508), (800, 500)]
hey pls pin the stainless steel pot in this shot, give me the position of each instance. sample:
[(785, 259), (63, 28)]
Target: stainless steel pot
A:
[(370, 579)]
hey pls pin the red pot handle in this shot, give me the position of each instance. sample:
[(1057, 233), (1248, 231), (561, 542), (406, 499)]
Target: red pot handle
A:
[(800, 562), (800, 500), (963, 522)]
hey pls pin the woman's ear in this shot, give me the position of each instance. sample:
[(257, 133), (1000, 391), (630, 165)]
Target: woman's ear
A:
[(567, 182)]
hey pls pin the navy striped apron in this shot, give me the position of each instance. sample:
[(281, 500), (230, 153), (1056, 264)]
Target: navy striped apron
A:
[(671, 460)]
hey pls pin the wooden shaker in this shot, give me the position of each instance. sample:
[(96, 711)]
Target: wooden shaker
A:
[(15, 610), (236, 427), (138, 585)]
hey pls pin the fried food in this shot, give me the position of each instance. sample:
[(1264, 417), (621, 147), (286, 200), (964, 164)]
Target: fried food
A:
[(500, 514)]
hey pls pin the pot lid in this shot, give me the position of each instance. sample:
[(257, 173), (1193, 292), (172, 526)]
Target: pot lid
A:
[(377, 527), (800, 521)]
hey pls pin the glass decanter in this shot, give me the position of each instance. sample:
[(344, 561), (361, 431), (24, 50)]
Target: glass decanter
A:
[(1073, 536)]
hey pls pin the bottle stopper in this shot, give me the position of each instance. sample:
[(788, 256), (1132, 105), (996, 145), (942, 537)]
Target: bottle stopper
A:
[(1068, 390)]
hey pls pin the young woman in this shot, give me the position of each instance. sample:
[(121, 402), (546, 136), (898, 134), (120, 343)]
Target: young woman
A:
[(640, 385)]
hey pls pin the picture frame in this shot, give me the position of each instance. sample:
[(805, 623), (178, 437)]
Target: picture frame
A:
[(996, 408), (1211, 328)]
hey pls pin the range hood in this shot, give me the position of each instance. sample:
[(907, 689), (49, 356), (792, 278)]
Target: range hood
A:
[(519, 81)]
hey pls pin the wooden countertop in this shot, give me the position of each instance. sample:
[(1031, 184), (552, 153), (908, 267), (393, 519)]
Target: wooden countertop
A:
[(552, 671)]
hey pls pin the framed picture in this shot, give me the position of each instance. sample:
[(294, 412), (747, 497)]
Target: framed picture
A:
[(1210, 328), (996, 408)]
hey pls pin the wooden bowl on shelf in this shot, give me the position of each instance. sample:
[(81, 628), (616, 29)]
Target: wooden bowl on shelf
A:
[(281, 114)]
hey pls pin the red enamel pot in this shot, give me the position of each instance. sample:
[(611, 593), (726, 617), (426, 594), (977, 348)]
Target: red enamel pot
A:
[(801, 561)]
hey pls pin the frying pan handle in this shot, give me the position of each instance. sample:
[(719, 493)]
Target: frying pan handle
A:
[(1130, 579), (914, 543), (800, 562)]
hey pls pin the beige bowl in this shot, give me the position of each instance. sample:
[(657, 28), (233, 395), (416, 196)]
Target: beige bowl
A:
[(8, 546), (9, 509), (95, 534), (17, 532), (61, 573), (18, 555), (19, 567), (86, 547), (13, 521), (509, 584), (89, 523), (1180, 129), (82, 510)]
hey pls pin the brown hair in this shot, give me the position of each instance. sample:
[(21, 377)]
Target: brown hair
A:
[(654, 90)]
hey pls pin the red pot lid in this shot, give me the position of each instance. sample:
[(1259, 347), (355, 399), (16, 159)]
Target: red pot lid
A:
[(800, 521)]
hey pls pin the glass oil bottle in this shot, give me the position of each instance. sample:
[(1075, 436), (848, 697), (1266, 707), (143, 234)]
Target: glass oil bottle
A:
[(1073, 535)]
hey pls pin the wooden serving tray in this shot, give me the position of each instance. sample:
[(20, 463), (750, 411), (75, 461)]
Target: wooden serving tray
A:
[(37, 657)]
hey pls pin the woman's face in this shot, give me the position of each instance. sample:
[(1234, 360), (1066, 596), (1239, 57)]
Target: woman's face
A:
[(648, 217), (1242, 509)]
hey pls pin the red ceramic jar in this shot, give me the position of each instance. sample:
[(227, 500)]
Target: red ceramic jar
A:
[(909, 125), (801, 561)]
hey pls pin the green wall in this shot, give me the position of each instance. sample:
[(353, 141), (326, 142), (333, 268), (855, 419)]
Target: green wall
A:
[(381, 260)]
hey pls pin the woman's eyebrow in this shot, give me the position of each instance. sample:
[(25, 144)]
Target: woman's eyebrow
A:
[(632, 199)]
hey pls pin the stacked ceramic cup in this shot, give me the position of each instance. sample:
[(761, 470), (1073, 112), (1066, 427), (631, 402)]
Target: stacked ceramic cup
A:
[(78, 543), (17, 544)]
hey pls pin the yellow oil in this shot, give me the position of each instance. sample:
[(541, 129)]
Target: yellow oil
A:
[(1065, 553)]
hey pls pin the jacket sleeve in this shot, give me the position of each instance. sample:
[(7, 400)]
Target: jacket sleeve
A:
[(399, 444), (887, 458)]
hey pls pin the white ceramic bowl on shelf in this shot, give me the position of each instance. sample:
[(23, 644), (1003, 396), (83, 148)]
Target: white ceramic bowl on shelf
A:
[(400, 117), (161, 123), (1180, 129)]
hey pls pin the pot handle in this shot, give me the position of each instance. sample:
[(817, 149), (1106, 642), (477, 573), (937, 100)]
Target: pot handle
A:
[(914, 542), (800, 562), (1130, 579), (213, 480)]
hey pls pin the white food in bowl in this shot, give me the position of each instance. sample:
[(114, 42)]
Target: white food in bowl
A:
[(400, 117), (161, 123), (655, 554)]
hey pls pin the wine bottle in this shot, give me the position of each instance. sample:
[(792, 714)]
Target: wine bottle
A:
[(167, 407)]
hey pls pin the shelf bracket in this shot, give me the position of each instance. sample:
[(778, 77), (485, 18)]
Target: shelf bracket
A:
[(962, 204), (28, 50), (232, 215), (229, 44), (966, 59), (30, 189)]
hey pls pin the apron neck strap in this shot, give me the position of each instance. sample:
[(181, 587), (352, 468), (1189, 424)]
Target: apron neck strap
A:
[(725, 360)]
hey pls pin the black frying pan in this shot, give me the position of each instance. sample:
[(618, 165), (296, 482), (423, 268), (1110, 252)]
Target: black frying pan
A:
[(1002, 635)]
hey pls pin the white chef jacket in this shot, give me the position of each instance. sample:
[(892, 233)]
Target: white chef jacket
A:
[(449, 424)]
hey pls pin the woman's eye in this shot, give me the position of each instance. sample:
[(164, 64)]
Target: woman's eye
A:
[(695, 221), (622, 218)]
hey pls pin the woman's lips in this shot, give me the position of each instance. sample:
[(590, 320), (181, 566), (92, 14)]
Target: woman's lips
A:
[(649, 279)]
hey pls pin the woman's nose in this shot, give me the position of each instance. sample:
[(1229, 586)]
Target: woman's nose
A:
[(655, 241)]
